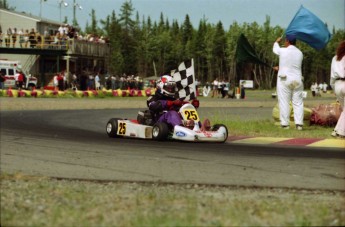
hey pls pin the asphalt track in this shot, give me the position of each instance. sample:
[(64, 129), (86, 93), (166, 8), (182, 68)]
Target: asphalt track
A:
[(73, 144)]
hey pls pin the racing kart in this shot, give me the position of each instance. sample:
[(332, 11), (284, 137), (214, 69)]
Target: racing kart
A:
[(142, 128)]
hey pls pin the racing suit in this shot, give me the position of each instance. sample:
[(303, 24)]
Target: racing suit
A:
[(164, 109)]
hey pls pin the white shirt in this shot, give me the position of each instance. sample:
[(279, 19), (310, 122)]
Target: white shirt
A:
[(290, 61), (215, 83), (337, 69), (61, 30), (55, 81), (16, 76)]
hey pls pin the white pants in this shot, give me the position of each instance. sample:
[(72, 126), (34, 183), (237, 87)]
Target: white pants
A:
[(290, 90), (339, 90)]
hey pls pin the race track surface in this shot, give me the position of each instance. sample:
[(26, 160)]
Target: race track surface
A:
[(74, 144)]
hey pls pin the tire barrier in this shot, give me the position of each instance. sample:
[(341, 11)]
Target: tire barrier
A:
[(37, 93)]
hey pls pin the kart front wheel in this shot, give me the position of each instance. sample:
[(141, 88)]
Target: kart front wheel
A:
[(160, 131), (112, 127), (222, 128)]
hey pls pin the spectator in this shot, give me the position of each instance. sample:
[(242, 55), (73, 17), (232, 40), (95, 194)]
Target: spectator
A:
[(313, 89), (8, 37), (338, 84), (97, 82), (2, 81), (215, 88), (55, 82), (113, 82), (60, 79), (206, 89), (65, 29), (324, 89), (91, 82), (19, 79), (74, 82), (14, 37), (220, 88), (39, 40), (65, 75), (61, 29), (26, 38), (226, 89), (243, 90), (47, 38), (56, 41), (32, 38), (21, 38), (63, 41)]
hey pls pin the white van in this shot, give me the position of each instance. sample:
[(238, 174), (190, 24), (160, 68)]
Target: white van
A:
[(9, 68)]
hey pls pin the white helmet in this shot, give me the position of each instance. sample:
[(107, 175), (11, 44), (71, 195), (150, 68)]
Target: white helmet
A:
[(167, 86)]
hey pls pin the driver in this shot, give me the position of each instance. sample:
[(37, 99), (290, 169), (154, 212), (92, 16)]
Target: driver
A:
[(163, 104)]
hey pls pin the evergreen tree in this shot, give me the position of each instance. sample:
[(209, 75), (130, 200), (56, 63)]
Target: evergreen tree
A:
[(116, 64), (128, 43), (4, 5)]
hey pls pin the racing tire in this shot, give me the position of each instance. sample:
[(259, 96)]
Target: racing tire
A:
[(160, 131), (112, 127), (216, 127)]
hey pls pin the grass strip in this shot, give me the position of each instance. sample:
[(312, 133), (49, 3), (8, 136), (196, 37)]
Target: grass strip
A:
[(41, 201)]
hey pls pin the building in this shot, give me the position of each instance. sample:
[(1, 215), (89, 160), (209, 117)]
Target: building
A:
[(47, 58)]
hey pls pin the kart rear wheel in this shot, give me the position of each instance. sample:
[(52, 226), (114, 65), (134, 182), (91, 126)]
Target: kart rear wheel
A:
[(112, 127), (160, 131), (216, 127)]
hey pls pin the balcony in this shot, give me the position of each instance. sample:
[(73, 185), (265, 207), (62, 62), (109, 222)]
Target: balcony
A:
[(71, 47), (85, 48)]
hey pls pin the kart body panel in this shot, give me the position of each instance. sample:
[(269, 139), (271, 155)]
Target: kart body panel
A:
[(128, 128), (131, 128)]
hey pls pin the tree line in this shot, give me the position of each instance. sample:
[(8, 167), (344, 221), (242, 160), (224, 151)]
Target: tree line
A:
[(144, 47)]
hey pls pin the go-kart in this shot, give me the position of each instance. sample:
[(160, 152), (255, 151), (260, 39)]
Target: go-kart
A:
[(142, 128)]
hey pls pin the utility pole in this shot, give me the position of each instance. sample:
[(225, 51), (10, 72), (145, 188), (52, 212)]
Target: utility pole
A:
[(75, 5), (74, 23)]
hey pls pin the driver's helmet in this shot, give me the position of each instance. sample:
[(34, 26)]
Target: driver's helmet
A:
[(167, 86)]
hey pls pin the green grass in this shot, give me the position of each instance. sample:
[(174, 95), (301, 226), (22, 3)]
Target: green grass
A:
[(35, 201), (270, 127)]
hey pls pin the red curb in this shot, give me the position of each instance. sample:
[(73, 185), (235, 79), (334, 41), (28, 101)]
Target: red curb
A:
[(298, 142)]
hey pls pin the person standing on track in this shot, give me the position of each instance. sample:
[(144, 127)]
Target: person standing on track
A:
[(289, 81), (338, 84)]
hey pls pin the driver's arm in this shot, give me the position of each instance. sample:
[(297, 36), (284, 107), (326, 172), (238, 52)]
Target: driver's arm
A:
[(157, 106)]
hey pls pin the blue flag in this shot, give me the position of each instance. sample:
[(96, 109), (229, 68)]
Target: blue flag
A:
[(309, 28)]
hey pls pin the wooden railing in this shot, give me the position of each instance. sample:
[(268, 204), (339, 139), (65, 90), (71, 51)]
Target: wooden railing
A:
[(80, 47), (73, 46)]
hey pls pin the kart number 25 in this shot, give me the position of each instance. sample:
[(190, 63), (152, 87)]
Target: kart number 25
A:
[(191, 115), (122, 128)]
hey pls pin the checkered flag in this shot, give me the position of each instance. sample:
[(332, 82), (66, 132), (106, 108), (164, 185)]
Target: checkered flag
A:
[(185, 81)]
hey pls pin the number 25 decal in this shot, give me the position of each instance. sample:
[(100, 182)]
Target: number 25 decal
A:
[(191, 115), (122, 128)]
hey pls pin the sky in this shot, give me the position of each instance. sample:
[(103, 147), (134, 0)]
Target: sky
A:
[(281, 12)]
